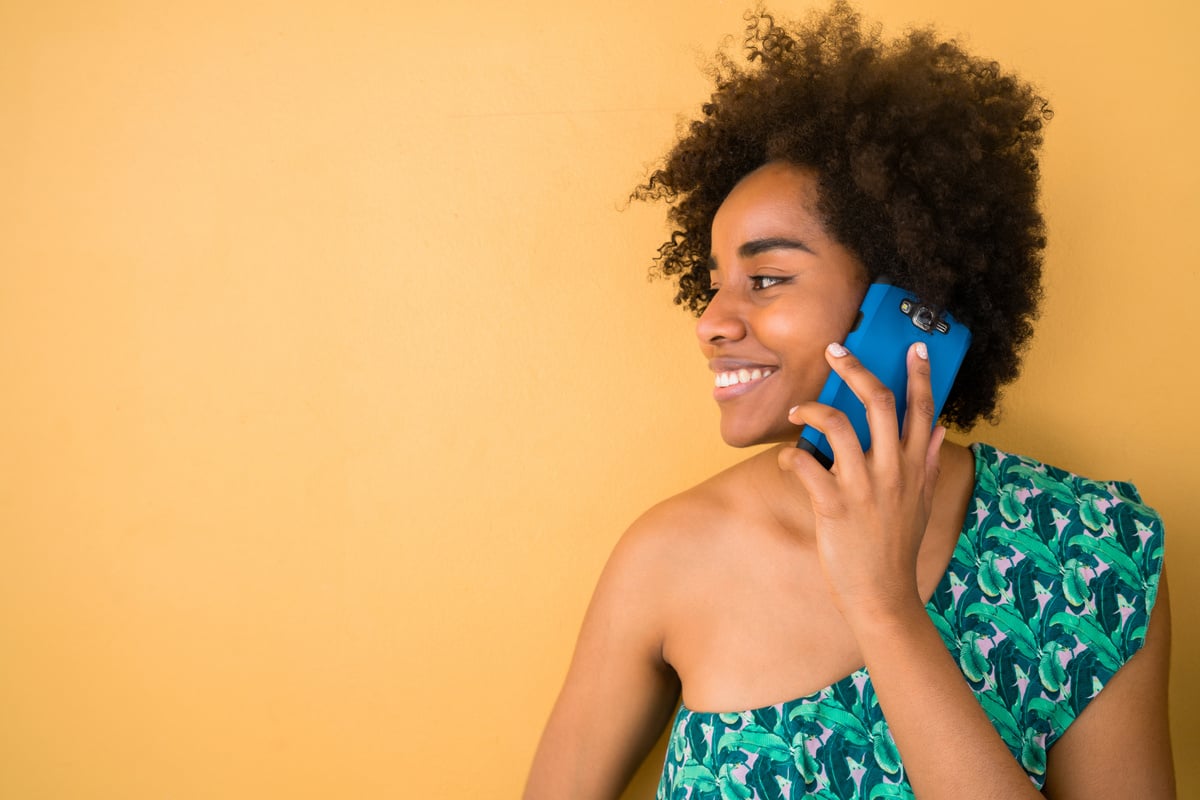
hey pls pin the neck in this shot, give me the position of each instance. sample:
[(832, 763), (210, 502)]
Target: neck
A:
[(782, 499), (781, 495)]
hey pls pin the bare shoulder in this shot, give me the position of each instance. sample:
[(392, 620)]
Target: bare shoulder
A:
[(684, 523), (632, 607), (620, 690), (671, 541)]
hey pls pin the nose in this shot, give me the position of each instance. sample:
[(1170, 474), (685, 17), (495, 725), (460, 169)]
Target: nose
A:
[(722, 320)]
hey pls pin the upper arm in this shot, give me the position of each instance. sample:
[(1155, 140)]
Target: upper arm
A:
[(1120, 746), (619, 693)]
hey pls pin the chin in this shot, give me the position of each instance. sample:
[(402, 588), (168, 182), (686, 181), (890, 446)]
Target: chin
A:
[(741, 437)]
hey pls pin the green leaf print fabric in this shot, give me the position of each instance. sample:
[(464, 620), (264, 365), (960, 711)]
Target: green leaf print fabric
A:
[(1047, 594)]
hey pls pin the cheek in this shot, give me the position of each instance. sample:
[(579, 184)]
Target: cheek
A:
[(804, 334), (834, 322)]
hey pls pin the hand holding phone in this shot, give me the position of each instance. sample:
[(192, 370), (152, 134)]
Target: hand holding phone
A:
[(891, 320)]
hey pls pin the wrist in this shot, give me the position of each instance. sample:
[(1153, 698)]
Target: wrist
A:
[(886, 618)]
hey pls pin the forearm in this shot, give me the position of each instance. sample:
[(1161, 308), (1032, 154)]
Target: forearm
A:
[(947, 743)]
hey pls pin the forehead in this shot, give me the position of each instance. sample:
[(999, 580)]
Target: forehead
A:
[(774, 199)]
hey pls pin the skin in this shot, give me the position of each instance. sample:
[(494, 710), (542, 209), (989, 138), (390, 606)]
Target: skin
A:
[(842, 561)]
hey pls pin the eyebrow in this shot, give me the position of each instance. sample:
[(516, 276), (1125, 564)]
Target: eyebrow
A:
[(756, 247)]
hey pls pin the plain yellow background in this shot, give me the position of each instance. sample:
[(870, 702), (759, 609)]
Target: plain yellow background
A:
[(331, 372)]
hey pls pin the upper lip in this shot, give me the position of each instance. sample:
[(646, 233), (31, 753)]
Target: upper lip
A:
[(734, 364)]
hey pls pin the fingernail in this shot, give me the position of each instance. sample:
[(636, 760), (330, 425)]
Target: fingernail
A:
[(836, 350), (922, 352), (792, 410)]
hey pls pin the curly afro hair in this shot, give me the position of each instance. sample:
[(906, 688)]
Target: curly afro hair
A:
[(926, 159)]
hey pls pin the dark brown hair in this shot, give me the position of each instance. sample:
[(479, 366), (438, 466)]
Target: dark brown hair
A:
[(927, 170)]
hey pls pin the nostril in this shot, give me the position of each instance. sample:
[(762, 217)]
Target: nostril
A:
[(721, 320)]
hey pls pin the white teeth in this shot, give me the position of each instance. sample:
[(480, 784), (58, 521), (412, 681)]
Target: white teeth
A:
[(724, 379)]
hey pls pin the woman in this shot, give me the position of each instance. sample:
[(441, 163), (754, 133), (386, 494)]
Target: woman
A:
[(923, 618)]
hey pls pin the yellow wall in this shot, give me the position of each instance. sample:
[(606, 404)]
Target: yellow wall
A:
[(331, 373)]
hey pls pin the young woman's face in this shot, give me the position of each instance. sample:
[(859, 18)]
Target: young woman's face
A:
[(786, 290)]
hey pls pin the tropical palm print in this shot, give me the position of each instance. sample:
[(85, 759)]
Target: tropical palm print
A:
[(1047, 594)]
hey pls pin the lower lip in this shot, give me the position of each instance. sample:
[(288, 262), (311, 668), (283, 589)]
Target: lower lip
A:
[(722, 393)]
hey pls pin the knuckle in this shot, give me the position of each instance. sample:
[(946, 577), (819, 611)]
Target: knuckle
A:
[(829, 505), (881, 397), (895, 484), (924, 407), (836, 423)]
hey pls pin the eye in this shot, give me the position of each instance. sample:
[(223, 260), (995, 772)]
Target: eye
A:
[(759, 282)]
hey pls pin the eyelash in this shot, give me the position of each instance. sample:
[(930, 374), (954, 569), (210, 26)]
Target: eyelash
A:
[(757, 281), (756, 284)]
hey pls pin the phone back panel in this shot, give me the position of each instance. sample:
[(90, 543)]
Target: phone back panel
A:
[(880, 341)]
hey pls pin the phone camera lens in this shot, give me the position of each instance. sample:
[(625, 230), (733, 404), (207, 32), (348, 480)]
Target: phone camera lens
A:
[(924, 318)]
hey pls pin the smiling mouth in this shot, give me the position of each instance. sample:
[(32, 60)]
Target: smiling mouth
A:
[(740, 376)]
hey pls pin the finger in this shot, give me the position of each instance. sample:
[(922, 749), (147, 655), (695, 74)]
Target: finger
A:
[(816, 479), (820, 485), (848, 457), (876, 397), (919, 415), (933, 462)]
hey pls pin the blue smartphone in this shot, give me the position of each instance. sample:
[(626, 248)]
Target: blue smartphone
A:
[(889, 321)]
